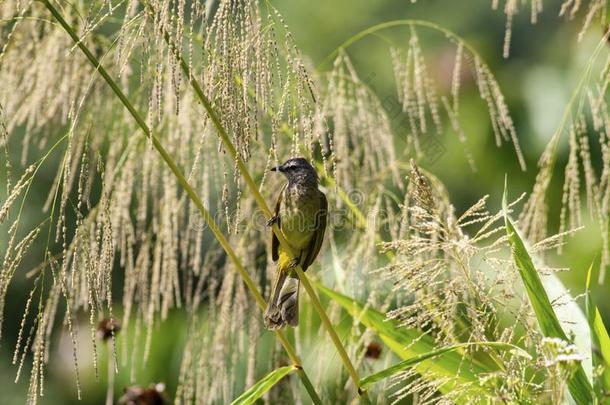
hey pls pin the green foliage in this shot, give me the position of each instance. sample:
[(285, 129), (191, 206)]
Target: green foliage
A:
[(363, 141), (263, 385), (579, 385), (600, 346), (397, 368), (411, 345)]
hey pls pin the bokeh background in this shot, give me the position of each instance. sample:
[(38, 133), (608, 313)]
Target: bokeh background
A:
[(537, 79)]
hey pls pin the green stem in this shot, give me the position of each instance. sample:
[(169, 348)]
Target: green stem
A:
[(190, 191), (397, 23), (359, 219), (416, 23), (262, 204)]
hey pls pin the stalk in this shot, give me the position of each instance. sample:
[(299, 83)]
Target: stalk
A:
[(110, 389), (262, 204), (191, 193), (397, 23), (359, 219)]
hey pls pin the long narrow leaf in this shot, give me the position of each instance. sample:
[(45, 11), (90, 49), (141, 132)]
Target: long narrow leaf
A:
[(409, 343), (601, 352), (397, 368), (263, 385), (600, 344), (579, 385)]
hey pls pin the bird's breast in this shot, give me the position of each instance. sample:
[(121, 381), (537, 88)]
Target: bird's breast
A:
[(298, 212)]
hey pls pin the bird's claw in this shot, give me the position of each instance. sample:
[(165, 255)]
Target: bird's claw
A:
[(294, 262), (274, 220)]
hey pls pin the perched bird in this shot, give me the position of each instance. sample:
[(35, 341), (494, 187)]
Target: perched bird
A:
[(300, 213)]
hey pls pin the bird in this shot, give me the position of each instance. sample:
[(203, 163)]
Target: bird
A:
[(300, 213)]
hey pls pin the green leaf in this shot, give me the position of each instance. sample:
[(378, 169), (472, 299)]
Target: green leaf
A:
[(601, 351), (409, 343), (262, 386), (397, 368), (579, 385), (600, 343)]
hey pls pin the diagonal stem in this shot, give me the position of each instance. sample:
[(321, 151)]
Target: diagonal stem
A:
[(190, 191), (359, 219), (262, 204)]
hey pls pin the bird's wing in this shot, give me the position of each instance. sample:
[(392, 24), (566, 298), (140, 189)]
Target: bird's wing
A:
[(275, 243), (318, 236)]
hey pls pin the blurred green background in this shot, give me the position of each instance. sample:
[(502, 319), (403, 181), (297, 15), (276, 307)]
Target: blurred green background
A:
[(537, 80)]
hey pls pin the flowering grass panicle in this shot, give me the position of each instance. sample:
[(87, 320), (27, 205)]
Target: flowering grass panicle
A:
[(122, 239)]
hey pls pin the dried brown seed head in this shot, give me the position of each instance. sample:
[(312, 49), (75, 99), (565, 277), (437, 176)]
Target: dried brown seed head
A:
[(137, 395), (373, 351), (106, 328)]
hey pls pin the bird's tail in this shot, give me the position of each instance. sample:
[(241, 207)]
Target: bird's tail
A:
[(283, 308)]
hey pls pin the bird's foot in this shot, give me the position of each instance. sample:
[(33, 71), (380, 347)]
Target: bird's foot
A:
[(294, 262), (274, 220)]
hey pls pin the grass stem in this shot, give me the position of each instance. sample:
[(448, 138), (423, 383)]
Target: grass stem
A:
[(190, 191), (262, 204)]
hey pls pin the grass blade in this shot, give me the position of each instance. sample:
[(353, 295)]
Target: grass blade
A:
[(413, 361), (262, 386), (579, 385), (601, 354), (409, 344), (600, 345)]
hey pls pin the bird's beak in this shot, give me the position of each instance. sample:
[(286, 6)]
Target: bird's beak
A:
[(276, 169)]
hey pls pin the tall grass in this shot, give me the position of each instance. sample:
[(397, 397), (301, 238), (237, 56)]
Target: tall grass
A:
[(462, 320)]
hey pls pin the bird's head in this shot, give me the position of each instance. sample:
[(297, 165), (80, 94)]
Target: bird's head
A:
[(298, 170)]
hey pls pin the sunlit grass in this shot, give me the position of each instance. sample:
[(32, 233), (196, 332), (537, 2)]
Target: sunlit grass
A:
[(419, 302)]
